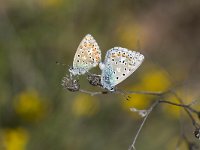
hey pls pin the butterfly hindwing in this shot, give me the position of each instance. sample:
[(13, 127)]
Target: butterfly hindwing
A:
[(87, 56), (118, 65)]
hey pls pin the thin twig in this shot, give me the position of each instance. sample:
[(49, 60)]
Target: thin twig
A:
[(93, 93), (143, 122), (186, 107), (195, 124), (122, 92)]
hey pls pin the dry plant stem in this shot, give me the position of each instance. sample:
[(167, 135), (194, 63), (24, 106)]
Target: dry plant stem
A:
[(150, 110), (195, 124), (93, 93), (143, 122), (187, 108), (122, 92)]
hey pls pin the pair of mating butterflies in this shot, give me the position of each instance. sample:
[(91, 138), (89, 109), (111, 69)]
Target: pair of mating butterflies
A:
[(119, 63)]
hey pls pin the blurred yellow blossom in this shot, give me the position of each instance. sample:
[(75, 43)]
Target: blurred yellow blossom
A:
[(85, 105), (156, 79), (14, 139), (29, 105), (137, 101)]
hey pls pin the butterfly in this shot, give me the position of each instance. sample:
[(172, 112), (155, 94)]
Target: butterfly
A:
[(87, 56), (119, 64)]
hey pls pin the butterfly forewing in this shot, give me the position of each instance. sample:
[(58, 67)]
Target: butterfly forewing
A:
[(88, 55), (118, 65)]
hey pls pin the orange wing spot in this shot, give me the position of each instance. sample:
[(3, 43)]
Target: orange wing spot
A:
[(97, 59), (96, 53)]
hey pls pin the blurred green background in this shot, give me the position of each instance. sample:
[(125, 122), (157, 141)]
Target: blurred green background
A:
[(37, 113)]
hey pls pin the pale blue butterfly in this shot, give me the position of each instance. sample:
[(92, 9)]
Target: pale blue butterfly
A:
[(119, 64)]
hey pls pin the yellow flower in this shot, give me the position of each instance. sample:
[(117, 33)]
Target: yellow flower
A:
[(155, 79), (14, 139), (29, 106), (85, 105), (136, 101)]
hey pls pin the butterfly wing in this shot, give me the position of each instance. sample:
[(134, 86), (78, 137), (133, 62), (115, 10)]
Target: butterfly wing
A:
[(87, 56), (119, 64)]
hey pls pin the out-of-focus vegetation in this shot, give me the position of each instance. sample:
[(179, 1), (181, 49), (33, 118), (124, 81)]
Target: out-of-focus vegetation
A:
[(36, 113)]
